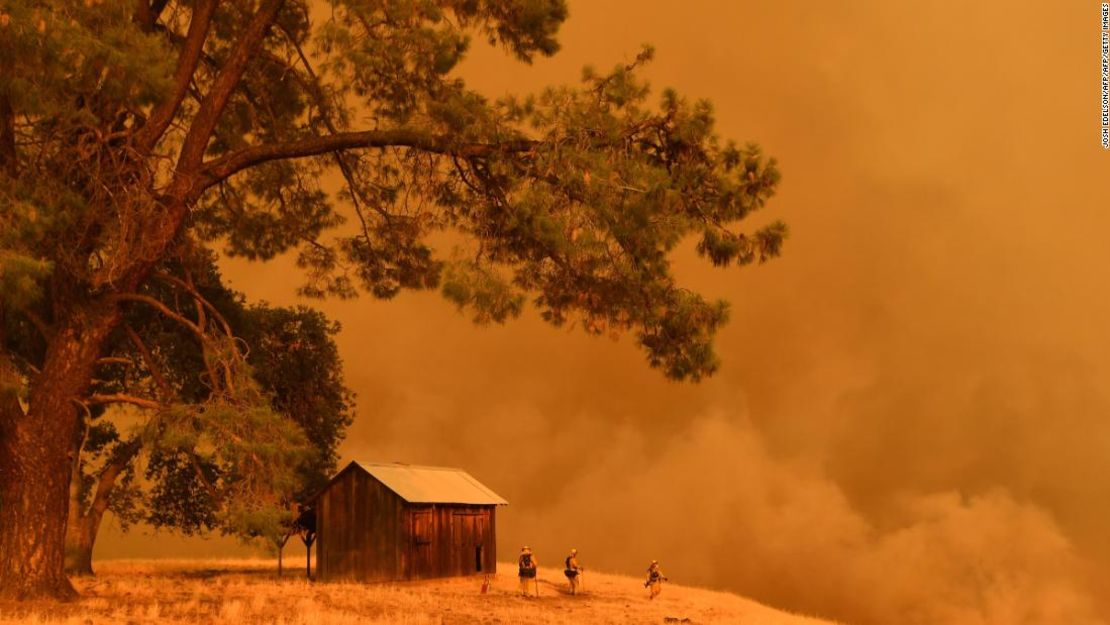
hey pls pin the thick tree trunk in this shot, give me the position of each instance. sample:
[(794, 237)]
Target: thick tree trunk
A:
[(37, 445), (36, 460)]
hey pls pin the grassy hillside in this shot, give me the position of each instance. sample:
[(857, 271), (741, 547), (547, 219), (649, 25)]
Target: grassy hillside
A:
[(248, 592)]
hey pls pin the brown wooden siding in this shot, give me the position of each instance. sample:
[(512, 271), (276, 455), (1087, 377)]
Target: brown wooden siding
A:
[(359, 528), (366, 532), (447, 540)]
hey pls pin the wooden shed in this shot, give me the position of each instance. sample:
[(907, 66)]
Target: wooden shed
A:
[(384, 522)]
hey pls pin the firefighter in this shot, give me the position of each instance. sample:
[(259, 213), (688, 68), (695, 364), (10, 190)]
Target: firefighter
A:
[(655, 579), (572, 571), (526, 565)]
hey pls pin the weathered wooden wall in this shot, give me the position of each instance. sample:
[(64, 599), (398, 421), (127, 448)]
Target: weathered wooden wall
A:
[(359, 528), (366, 532), (447, 540)]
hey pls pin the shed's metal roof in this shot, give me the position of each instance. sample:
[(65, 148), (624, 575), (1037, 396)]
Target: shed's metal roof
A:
[(417, 484)]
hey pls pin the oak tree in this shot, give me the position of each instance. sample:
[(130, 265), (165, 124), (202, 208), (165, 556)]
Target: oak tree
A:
[(130, 462)]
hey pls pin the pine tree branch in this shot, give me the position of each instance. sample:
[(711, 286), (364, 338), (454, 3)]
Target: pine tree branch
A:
[(212, 107), (121, 398), (313, 86), (192, 49), (222, 168)]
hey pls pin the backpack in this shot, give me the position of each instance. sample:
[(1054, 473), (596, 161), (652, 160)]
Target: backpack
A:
[(569, 572), (527, 569)]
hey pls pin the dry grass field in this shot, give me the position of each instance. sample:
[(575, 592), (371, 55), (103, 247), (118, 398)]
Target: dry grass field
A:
[(248, 592)]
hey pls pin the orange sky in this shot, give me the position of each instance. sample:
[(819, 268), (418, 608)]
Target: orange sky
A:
[(911, 397)]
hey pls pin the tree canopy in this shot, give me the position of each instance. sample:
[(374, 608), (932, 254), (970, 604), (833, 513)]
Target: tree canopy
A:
[(572, 197), (144, 466), (135, 133)]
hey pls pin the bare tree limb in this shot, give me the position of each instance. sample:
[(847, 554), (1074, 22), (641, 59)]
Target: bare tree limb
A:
[(162, 308), (198, 297), (164, 387), (199, 472), (165, 310)]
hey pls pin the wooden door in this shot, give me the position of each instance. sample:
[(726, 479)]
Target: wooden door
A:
[(469, 530), (481, 534), (421, 531)]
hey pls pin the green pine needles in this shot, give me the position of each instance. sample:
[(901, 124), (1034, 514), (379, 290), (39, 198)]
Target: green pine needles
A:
[(138, 136)]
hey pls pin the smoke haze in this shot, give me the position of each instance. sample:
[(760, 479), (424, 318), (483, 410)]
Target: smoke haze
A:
[(910, 424)]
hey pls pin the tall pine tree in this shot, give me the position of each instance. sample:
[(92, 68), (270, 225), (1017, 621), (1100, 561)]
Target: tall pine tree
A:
[(133, 131)]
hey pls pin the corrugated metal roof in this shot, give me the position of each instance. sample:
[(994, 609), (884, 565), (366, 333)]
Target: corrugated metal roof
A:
[(417, 484)]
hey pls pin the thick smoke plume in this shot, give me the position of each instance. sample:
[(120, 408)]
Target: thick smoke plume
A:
[(720, 511)]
